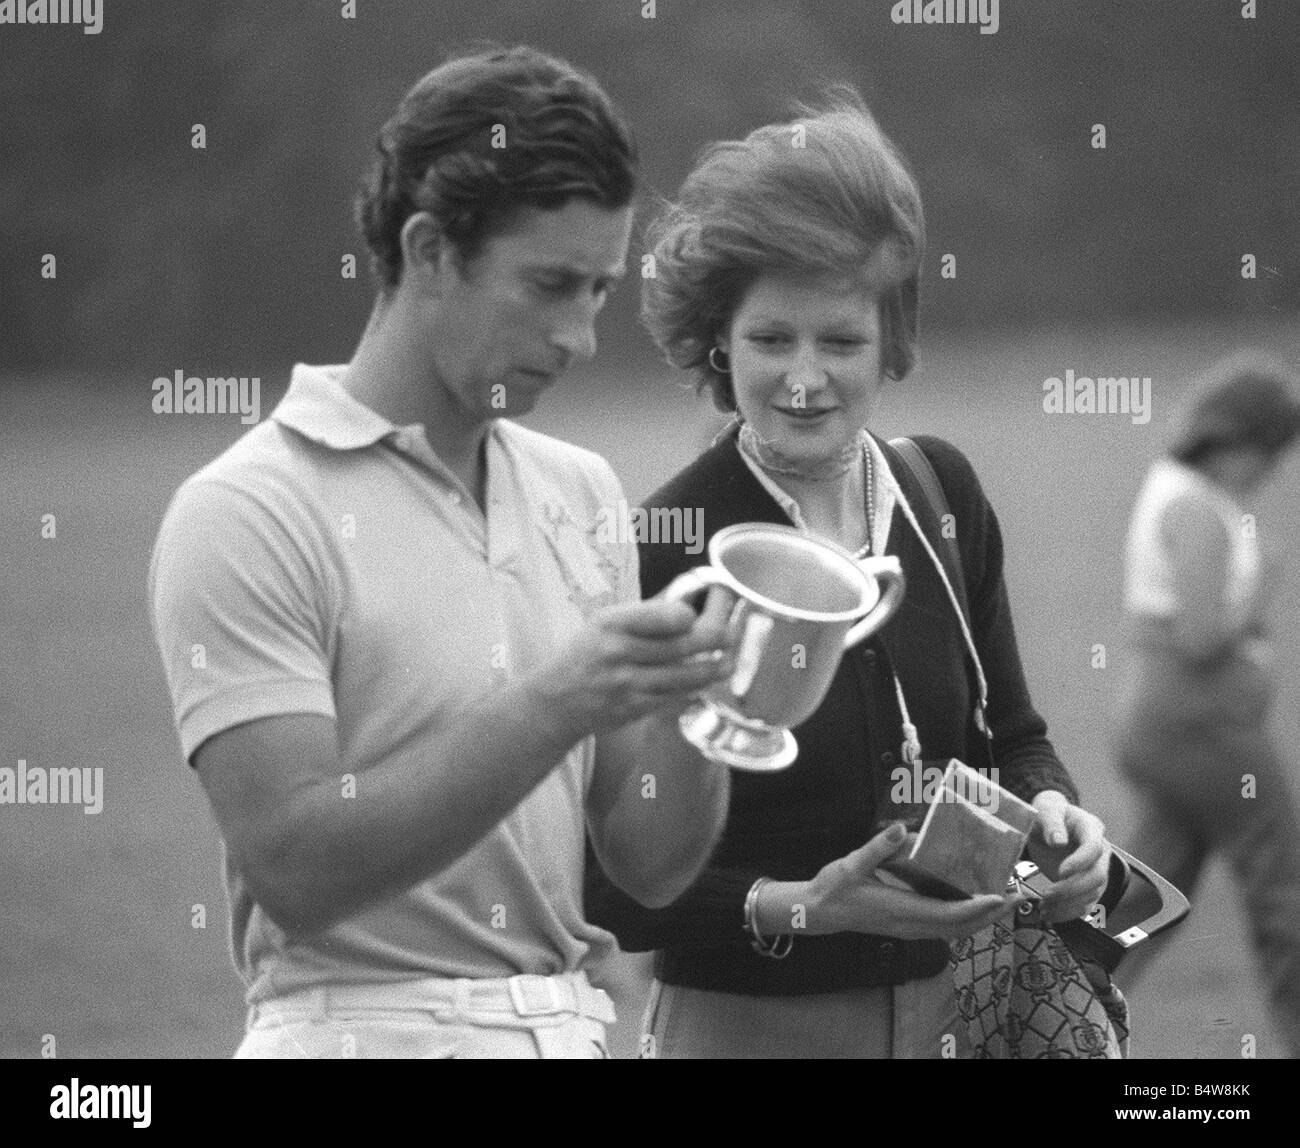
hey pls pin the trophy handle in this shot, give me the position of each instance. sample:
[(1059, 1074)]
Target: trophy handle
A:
[(757, 625), (886, 569)]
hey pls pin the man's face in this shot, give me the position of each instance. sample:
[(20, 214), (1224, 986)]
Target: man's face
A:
[(525, 307)]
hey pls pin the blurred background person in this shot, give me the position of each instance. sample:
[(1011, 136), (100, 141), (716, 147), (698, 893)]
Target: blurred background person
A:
[(1193, 727), (787, 279)]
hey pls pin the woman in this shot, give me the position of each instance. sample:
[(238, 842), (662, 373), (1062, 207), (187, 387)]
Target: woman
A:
[(1193, 733), (786, 275)]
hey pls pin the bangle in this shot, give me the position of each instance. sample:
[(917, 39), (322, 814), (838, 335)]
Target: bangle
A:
[(759, 943)]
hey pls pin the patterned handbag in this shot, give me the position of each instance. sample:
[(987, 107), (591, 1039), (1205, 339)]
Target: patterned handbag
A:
[(1024, 995)]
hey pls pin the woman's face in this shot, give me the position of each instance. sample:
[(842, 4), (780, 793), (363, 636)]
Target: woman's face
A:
[(805, 363)]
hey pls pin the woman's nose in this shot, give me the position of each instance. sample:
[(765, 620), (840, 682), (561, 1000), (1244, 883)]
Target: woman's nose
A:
[(806, 372)]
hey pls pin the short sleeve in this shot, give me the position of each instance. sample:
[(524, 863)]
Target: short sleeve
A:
[(237, 614)]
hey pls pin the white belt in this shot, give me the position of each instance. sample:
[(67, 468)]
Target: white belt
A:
[(526, 995)]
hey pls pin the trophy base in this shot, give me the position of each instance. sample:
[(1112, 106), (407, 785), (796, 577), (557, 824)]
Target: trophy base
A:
[(722, 735)]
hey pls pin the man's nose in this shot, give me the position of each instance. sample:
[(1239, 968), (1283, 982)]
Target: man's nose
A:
[(576, 332)]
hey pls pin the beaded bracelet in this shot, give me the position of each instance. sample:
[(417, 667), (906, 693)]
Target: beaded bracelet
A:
[(759, 943)]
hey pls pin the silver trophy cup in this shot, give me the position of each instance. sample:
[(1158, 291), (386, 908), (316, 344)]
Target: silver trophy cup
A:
[(802, 602)]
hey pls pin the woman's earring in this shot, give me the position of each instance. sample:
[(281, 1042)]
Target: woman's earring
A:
[(722, 370)]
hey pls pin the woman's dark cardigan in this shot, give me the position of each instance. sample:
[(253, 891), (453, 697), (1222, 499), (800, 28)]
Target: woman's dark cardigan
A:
[(788, 825)]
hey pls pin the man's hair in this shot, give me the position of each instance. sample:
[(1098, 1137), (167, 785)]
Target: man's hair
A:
[(1248, 399), (826, 194), (483, 136)]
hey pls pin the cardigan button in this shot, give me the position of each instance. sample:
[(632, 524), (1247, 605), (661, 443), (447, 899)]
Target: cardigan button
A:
[(869, 656), (887, 759)]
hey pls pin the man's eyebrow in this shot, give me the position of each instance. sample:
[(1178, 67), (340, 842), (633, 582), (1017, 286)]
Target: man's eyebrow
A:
[(573, 272)]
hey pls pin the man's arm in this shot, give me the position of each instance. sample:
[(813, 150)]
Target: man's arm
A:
[(312, 856), (655, 809), (656, 806)]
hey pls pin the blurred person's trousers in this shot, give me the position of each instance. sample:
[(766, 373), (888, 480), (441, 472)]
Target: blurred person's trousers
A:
[(1210, 779), (518, 1018), (917, 1020)]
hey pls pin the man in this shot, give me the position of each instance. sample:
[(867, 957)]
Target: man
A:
[(391, 623)]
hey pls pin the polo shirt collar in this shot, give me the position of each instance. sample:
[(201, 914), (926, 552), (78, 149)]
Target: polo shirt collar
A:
[(317, 406)]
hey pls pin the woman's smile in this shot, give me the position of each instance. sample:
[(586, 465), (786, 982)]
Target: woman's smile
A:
[(805, 414)]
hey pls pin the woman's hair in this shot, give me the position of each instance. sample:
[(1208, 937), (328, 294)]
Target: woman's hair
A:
[(1246, 399), (826, 194), (484, 135)]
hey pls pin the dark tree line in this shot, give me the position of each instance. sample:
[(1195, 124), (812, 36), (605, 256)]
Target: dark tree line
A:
[(231, 255)]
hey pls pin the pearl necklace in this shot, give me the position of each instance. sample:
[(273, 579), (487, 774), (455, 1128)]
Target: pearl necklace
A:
[(871, 498)]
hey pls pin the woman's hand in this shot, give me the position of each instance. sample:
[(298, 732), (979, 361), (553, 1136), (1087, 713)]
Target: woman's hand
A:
[(847, 896), (1069, 845)]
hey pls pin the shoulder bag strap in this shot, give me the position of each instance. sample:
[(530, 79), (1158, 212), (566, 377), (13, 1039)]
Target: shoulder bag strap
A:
[(922, 470)]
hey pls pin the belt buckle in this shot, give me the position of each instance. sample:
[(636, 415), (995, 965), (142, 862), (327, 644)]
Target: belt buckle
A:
[(535, 995)]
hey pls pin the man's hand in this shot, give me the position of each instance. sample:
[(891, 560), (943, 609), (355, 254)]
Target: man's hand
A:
[(634, 659), (1069, 845)]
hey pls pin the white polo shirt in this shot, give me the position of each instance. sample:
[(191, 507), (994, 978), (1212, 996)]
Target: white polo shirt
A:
[(329, 563), (1151, 579)]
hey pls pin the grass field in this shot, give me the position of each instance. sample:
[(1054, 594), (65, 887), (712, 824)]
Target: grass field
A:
[(97, 940)]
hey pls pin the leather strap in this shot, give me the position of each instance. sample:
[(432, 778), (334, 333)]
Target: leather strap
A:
[(922, 470), (936, 504)]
